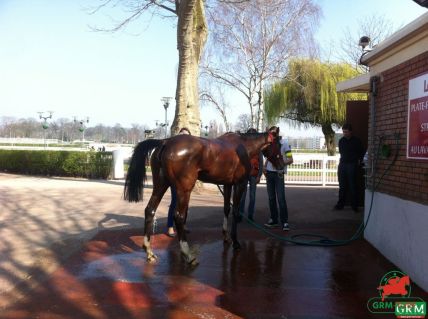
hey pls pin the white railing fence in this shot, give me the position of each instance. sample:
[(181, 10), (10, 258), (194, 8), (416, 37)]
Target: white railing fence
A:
[(307, 169), (312, 169)]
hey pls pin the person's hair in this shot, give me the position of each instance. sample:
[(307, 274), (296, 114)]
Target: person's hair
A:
[(347, 126), (252, 130), (184, 129)]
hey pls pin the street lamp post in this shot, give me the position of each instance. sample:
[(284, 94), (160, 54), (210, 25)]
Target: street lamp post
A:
[(206, 129), (165, 101), (82, 126), (45, 123)]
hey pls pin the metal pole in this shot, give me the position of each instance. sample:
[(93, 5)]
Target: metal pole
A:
[(165, 101), (166, 119)]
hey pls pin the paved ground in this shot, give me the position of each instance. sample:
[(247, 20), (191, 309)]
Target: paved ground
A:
[(44, 220), (77, 243)]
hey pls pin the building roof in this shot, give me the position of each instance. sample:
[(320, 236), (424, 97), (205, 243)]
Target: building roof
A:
[(411, 30), (406, 43)]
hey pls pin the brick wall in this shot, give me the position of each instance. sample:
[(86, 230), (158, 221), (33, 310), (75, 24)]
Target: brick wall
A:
[(406, 179)]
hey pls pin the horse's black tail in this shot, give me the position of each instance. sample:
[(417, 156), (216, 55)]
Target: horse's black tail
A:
[(136, 177)]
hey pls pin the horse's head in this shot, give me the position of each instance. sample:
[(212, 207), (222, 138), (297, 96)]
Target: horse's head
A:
[(405, 280), (273, 134), (273, 154)]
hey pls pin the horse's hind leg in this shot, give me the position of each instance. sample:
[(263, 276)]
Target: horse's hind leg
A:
[(149, 213), (227, 191), (183, 197)]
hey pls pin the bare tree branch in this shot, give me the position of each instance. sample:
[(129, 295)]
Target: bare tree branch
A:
[(254, 42)]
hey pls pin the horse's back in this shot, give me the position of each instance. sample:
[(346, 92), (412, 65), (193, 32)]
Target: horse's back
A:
[(211, 160)]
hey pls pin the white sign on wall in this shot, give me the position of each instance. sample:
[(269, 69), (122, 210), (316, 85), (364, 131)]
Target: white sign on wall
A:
[(417, 118)]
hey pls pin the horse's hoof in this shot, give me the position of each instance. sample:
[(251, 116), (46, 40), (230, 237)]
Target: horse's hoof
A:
[(152, 258), (236, 246), (194, 262)]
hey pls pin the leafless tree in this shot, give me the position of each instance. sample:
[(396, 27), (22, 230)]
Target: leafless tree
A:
[(191, 38), (250, 45), (216, 129), (377, 27), (213, 95), (243, 123)]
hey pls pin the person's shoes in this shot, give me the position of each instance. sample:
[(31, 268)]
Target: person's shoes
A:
[(271, 224), (338, 207), (172, 235), (286, 226)]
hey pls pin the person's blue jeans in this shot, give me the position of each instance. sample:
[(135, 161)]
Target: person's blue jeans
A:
[(251, 205), (172, 206), (276, 193)]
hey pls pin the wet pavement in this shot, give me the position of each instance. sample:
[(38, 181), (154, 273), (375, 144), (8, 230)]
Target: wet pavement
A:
[(267, 278), (108, 277)]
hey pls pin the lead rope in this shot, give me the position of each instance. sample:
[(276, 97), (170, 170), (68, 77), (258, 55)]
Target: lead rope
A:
[(322, 241)]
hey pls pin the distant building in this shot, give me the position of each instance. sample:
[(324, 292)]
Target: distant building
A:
[(307, 143)]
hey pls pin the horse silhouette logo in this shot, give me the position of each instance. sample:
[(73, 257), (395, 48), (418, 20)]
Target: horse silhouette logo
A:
[(394, 283), (394, 297)]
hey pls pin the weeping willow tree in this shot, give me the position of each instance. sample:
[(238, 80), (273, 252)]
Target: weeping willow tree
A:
[(308, 95)]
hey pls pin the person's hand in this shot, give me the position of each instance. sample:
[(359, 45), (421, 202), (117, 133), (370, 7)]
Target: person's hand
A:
[(258, 179)]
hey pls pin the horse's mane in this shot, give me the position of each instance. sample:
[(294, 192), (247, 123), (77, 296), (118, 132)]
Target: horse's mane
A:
[(250, 136)]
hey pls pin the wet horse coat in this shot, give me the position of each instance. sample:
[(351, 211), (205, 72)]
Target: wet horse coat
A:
[(182, 160)]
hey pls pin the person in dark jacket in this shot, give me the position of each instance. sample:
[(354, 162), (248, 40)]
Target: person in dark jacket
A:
[(351, 156)]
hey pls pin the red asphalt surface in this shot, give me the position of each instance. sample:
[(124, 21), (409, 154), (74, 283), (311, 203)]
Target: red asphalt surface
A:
[(108, 277), (268, 278)]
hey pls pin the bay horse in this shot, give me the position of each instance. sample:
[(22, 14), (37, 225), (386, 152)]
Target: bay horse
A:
[(179, 162)]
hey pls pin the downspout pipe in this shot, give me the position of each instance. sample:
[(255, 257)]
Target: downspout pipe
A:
[(374, 80)]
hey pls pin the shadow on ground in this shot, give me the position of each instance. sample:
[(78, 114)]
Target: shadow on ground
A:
[(107, 276)]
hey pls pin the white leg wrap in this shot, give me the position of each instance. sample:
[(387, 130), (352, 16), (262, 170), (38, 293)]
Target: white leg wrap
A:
[(146, 242), (225, 224), (184, 246)]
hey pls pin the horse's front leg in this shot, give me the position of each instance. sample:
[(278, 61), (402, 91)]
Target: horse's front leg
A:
[(227, 191), (238, 191), (180, 217)]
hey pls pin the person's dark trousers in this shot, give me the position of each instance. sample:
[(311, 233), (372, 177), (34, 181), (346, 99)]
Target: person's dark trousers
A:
[(347, 173), (276, 191), (252, 203), (171, 210)]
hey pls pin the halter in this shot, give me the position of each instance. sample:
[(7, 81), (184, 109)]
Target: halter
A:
[(271, 137)]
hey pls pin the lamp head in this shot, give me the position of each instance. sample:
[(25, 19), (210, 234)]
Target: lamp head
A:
[(364, 42)]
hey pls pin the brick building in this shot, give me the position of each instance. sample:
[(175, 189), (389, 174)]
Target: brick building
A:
[(396, 199)]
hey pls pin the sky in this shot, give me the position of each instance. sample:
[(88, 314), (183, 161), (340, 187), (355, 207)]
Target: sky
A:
[(52, 60)]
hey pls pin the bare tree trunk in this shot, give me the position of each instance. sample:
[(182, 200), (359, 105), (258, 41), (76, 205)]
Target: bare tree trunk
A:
[(191, 38), (329, 138), (261, 108)]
